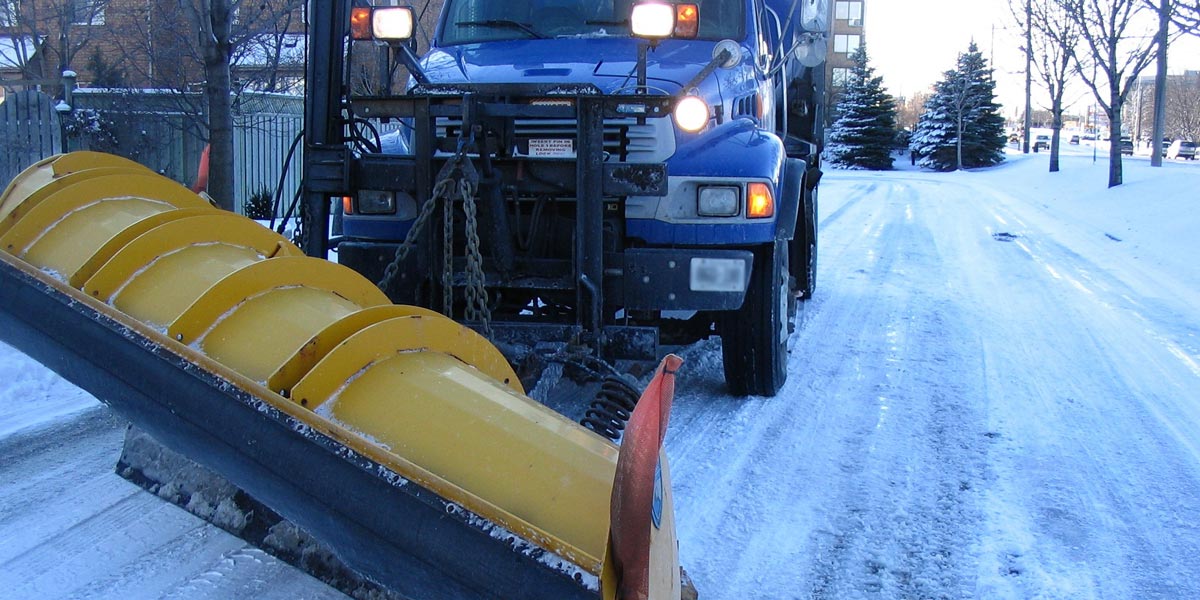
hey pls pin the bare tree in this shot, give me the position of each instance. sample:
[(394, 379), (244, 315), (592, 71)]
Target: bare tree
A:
[(191, 45), (908, 110), (1161, 40), (1183, 109), (1119, 42), (1187, 15), (1053, 33), (1184, 16), (52, 31)]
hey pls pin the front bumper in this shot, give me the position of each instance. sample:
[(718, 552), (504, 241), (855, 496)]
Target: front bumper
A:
[(685, 279), (636, 279)]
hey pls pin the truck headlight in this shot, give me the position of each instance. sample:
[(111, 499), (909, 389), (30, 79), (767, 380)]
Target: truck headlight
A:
[(691, 114), (719, 201), (653, 20), (392, 24), (376, 202)]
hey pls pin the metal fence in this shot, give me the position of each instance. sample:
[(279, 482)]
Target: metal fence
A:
[(164, 130)]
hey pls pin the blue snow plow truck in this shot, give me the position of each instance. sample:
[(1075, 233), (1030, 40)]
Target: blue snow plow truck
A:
[(612, 174)]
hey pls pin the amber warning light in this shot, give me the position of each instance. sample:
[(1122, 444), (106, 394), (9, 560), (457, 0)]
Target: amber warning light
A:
[(687, 21), (360, 23), (761, 204)]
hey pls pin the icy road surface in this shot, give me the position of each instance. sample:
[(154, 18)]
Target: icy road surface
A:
[(994, 394)]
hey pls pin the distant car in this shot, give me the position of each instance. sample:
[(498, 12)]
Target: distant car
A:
[(1182, 149), (1074, 140), (1126, 146), (1042, 141), (1089, 136)]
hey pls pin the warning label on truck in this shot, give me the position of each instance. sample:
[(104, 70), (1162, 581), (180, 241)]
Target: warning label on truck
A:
[(551, 147)]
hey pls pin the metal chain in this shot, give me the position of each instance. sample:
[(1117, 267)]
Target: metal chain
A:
[(477, 295), (448, 253), (449, 187), (440, 191)]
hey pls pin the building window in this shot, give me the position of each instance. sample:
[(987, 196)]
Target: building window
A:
[(841, 76), (8, 13), (848, 11), (846, 44), (88, 12)]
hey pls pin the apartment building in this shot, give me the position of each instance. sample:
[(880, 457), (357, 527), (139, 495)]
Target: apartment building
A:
[(147, 43), (846, 34)]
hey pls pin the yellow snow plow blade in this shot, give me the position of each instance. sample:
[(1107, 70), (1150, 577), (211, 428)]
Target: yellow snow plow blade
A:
[(415, 402)]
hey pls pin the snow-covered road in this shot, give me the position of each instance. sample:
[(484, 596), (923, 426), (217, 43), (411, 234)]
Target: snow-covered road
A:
[(994, 394), (982, 403)]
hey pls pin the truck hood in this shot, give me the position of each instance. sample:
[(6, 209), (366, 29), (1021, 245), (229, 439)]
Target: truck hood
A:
[(607, 63)]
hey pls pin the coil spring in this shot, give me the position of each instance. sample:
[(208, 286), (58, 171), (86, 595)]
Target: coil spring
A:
[(610, 410)]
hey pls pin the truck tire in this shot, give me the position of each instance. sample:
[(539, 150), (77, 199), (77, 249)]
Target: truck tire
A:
[(803, 248), (754, 337)]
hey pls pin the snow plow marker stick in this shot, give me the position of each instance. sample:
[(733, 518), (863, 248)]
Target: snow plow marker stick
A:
[(402, 446), (643, 520)]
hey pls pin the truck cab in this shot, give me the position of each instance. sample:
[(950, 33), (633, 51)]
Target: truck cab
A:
[(583, 170)]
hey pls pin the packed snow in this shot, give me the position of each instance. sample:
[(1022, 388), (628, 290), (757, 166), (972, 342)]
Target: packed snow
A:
[(993, 394)]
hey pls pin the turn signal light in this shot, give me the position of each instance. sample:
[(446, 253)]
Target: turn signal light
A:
[(347, 203), (760, 204), (687, 21), (360, 23)]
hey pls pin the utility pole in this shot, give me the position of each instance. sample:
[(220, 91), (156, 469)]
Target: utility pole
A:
[(1028, 68)]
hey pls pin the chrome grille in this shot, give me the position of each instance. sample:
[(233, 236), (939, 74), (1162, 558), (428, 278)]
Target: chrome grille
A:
[(624, 139)]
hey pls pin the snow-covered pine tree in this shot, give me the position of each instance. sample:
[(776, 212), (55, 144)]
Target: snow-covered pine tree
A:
[(863, 134), (962, 126)]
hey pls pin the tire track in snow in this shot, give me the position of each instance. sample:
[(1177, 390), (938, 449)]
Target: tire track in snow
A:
[(784, 476), (1100, 495), (903, 517)]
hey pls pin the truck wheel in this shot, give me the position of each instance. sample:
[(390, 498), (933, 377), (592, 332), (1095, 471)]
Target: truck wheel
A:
[(754, 337)]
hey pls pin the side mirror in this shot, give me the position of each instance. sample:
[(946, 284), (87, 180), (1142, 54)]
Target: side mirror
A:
[(732, 51)]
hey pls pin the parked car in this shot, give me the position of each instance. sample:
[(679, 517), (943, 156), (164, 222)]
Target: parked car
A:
[(1126, 146), (1074, 140), (1182, 149), (1089, 136), (1041, 141)]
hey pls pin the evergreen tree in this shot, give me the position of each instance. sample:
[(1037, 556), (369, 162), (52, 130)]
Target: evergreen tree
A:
[(863, 134), (962, 126)]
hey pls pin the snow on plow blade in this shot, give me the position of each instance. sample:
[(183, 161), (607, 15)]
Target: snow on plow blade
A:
[(396, 436)]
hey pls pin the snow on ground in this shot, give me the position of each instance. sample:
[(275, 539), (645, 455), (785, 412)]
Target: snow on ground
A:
[(991, 398), (993, 394)]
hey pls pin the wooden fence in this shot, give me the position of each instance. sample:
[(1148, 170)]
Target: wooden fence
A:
[(30, 130)]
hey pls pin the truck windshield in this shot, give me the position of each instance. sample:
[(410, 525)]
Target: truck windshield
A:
[(473, 21)]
